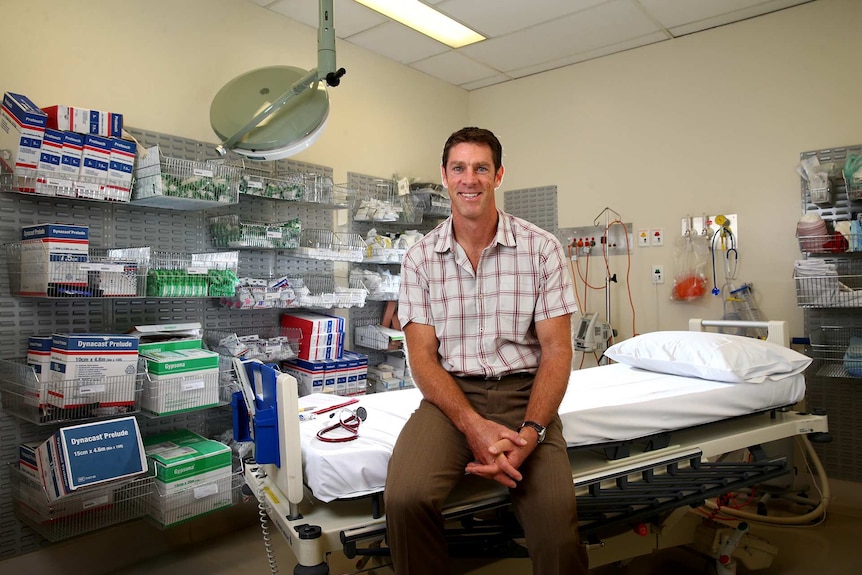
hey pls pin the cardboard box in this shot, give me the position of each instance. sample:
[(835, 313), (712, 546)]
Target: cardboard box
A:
[(73, 150), (22, 128), (181, 460), (84, 120), (167, 337), (309, 375), (95, 160), (93, 368), (122, 161), (51, 255), (90, 454), (39, 358), (50, 155)]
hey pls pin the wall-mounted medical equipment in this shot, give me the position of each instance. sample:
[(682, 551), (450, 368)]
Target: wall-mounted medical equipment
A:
[(592, 334)]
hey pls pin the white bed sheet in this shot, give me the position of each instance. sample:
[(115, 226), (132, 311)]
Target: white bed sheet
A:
[(602, 404)]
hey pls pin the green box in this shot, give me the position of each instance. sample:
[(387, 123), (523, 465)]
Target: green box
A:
[(169, 345), (181, 361), (182, 459)]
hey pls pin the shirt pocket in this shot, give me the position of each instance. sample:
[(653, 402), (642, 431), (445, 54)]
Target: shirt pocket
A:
[(516, 305)]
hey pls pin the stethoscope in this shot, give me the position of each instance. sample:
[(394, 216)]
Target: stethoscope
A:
[(731, 251), (348, 420)]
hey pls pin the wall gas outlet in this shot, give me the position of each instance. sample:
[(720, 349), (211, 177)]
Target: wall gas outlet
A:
[(643, 238), (657, 237), (658, 274)]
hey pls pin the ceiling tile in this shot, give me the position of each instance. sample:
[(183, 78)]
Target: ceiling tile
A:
[(589, 55), (505, 16), (398, 42), (760, 9), (350, 17), (602, 25), (673, 13), (455, 68)]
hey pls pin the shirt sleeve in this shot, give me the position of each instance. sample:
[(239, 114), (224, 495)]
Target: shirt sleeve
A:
[(556, 297), (413, 304)]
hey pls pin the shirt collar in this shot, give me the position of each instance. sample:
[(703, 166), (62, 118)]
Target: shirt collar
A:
[(505, 236)]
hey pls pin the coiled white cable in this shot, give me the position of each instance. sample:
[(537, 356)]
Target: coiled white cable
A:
[(817, 513)]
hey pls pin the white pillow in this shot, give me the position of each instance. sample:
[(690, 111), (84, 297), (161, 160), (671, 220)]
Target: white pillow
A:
[(709, 355)]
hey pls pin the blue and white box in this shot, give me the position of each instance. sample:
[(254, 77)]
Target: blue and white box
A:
[(120, 169), (95, 160), (50, 157), (39, 358), (85, 120), (22, 129), (90, 454), (309, 375), (51, 255), (88, 369), (73, 149)]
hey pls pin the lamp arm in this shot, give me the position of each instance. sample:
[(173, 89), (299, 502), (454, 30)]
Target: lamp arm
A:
[(325, 71)]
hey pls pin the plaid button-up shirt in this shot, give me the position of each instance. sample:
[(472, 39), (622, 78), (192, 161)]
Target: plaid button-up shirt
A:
[(485, 321)]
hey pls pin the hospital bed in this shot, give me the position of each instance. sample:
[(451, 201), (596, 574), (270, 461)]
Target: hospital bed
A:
[(645, 447)]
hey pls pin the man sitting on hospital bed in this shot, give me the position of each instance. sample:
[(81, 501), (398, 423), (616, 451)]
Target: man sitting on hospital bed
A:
[(486, 302)]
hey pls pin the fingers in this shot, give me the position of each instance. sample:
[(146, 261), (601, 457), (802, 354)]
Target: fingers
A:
[(501, 466), (491, 472)]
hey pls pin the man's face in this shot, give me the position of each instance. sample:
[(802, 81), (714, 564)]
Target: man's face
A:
[(470, 178)]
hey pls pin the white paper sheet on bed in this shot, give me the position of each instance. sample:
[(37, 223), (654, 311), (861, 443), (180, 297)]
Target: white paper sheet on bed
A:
[(602, 404)]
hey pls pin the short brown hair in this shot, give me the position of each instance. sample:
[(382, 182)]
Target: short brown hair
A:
[(475, 135)]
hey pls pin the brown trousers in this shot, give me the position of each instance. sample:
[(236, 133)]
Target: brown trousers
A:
[(429, 460)]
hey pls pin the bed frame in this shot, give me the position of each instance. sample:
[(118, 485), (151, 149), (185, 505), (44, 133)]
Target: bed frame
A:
[(628, 506)]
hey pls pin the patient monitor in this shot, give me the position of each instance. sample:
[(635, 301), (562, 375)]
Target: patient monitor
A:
[(592, 334)]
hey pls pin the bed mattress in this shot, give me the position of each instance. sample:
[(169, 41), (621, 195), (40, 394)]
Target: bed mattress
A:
[(602, 405)]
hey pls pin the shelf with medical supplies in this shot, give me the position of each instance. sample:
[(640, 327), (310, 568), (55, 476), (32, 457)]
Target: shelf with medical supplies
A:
[(40, 269), (381, 284), (828, 282), (167, 384), (836, 350), (36, 394), (269, 180), (378, 337), (69, 186), (81, 512), (229, 231), (311, 290)]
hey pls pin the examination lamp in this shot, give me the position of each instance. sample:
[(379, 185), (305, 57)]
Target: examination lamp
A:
[(275, 112)]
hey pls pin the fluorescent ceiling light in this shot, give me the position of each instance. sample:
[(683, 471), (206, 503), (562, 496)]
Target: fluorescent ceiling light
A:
[(426, 20)]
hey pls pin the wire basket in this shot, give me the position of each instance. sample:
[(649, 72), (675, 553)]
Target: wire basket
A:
[(63, 185), (323, 244), (269, 344), (839, 289), (228, 231), (82, 512), (35, 271), (171, 509), (164, 396), (265, 184), (192, 275), (166, 182), (46, 402), (837, 350)]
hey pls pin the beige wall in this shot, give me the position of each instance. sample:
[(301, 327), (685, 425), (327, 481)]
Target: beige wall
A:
[(709, 123), (161, 62)]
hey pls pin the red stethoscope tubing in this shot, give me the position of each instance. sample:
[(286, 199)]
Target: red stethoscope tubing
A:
[(349, 424)]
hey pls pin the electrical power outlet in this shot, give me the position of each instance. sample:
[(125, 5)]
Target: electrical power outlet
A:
[(658, 274)]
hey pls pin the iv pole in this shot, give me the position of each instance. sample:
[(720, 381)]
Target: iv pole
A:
[(608, 278)]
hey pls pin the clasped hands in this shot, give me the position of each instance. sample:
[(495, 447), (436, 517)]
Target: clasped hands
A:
[(499, 452)]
